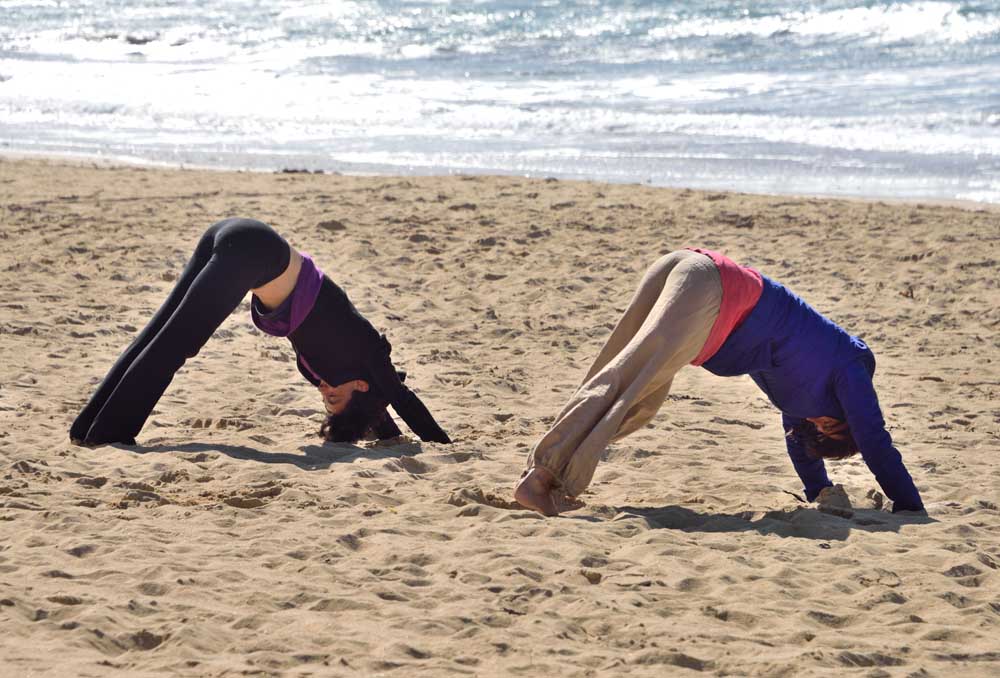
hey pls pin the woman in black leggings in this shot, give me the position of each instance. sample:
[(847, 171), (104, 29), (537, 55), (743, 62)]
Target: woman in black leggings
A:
[(336, 348)]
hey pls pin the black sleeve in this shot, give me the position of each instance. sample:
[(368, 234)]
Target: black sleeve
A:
[(385, 427), (304, 371), (403, 400)]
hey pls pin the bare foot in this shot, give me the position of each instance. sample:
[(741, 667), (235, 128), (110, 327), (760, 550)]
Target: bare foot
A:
[(539, 491)]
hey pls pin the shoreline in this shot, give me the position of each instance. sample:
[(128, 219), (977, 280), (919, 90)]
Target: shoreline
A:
[(119, 162)]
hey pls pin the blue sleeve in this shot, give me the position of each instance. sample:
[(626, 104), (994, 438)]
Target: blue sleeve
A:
[(854, 389), (811, 471)]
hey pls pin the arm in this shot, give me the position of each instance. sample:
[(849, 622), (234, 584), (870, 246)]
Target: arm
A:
[(386, 427), (854, 389), (811, 471), (403, 400), (304, 371)]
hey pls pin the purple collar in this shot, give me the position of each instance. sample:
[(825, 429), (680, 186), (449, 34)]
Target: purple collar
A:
[(285, 319)]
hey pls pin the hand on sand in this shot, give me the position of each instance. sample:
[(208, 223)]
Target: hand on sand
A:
[(834, 500), (538, 490)]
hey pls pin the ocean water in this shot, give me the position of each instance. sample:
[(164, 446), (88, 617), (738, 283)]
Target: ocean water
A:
[(880, 99)]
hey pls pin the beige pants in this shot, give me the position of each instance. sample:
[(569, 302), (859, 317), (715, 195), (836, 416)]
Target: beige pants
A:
[(663, 329)]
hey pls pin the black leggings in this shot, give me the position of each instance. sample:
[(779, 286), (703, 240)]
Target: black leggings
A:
[(232, 257)]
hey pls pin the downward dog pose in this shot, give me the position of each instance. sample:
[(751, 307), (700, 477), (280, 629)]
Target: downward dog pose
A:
[(337, 349), (699, 307)]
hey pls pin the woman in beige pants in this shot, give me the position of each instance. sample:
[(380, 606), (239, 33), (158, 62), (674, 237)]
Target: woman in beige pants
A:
[(663, 329), (702, 308)]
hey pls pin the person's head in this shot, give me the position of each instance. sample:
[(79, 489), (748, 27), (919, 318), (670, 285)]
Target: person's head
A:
[(336, 398), (824, 438), (355, 412)]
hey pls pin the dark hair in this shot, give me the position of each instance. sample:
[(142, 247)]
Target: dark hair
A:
[(364, 418), (819, 446)]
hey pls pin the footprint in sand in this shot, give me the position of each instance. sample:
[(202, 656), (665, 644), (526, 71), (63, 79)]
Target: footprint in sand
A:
[(827, 619), (407, 464), (475, 495), (673, 659), (738, 422), (152, 589), (200, 457), (244, 502), (254, 496), (140, 493), (65, 600), (141, 640), (965, 575), (222, 423), (168, 477), (82, 550), (141, 497), (351, 541), (594, 561), (857, 659), (31, 467), (743, 619), (457, 457), (340, 605)]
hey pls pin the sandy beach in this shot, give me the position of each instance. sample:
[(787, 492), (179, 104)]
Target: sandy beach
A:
[(233, 541)]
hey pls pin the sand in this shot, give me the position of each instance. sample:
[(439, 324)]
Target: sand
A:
[(232, 541)]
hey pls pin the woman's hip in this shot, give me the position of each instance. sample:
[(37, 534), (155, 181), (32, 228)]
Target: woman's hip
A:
[(256, 248)]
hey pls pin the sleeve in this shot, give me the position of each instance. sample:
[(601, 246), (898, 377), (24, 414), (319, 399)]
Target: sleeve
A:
[(811, 471), (386, 427), (404, 401), (854, 389), (304, 371)]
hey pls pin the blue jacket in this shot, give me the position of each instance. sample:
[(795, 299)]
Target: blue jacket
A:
[(809, 367)]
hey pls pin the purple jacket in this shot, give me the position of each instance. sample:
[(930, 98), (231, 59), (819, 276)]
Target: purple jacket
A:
[(809, 367)]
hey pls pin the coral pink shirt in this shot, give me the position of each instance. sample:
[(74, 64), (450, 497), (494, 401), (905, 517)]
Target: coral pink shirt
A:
[(741, 289)]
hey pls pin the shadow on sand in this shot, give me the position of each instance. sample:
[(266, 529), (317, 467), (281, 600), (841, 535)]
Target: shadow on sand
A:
[(802, 522), (312, 457)]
